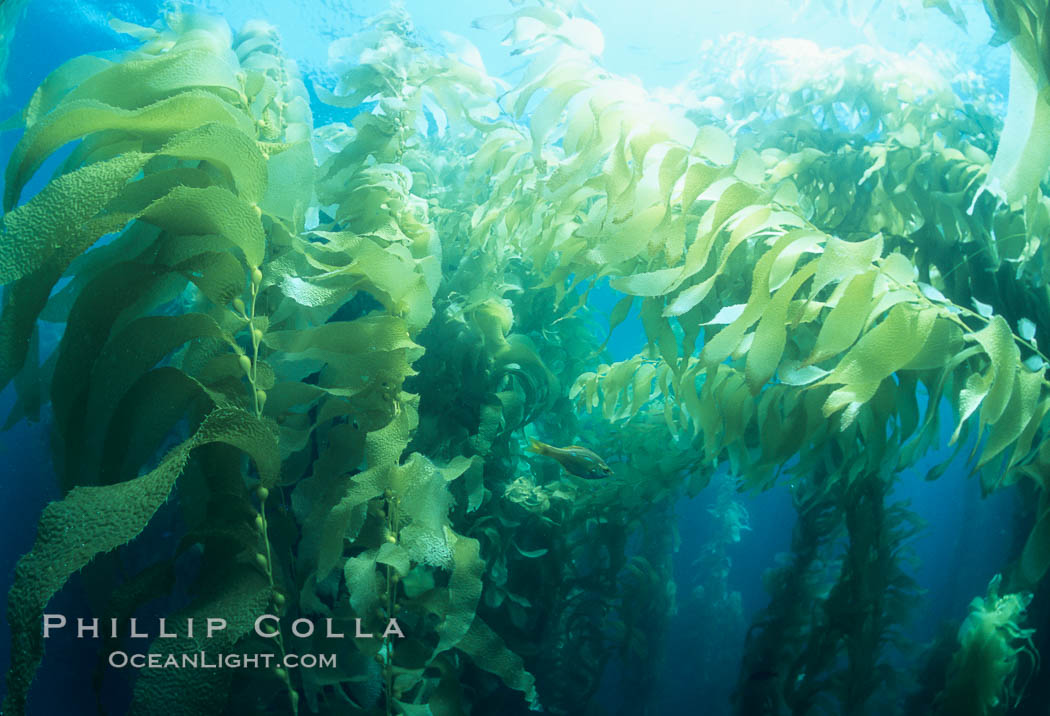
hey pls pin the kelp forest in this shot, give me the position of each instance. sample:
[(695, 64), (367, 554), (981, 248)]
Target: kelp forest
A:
[(299, 365)]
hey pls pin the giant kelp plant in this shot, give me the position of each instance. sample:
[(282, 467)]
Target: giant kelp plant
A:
[(327, 343)]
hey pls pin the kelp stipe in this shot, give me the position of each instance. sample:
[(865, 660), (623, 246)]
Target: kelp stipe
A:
[(182, 271), (168, 150)]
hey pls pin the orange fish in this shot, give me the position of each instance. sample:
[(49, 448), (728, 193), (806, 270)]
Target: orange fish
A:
[(576, 460)]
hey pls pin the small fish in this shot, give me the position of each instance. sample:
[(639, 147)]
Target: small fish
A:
[(576, 460)]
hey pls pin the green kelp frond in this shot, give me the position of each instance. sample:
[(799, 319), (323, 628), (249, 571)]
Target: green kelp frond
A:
[(820, 309), (170, 160), (416, 539), (92, 520), (150, 123), (170, 127), (864, 297), (238, 596), (912, 133), (824, 317), (1023, 156), (987, 675), (347, 262)]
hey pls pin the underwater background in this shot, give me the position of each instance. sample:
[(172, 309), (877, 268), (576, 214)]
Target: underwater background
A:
[(291, 291)]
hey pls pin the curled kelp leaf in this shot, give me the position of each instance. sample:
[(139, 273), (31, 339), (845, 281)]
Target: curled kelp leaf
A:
[(156, 121), (33, 232), (124, 359), (383, 449), (464, 592), (93, 520), (490, 653), (1023, 155), (141, 81), (97, 199), (238, 596)]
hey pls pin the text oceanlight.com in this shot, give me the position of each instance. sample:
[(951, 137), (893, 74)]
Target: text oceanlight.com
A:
[(205, 660)]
